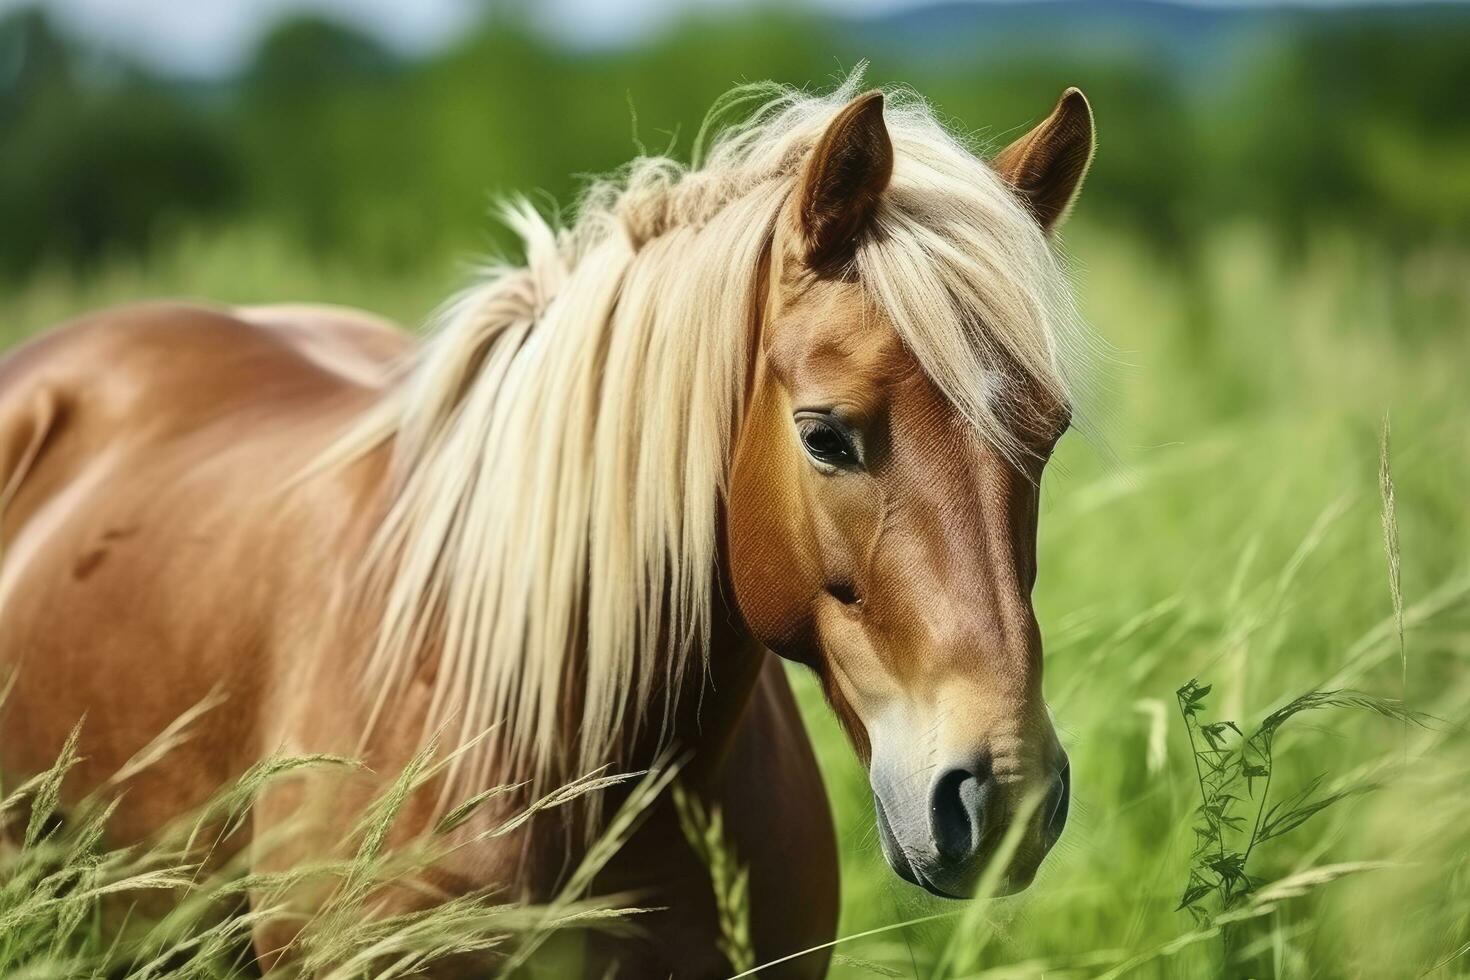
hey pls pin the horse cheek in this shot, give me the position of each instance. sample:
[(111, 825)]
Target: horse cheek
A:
[(775, 570)]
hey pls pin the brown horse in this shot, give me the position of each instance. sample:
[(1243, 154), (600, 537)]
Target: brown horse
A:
[(796, 398)]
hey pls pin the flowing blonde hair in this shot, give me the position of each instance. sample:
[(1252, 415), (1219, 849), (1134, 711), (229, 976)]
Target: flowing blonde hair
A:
[(561, 442)]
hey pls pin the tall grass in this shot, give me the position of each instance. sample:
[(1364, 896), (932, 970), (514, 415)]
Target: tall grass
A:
[(704, 830), (72, 906), (1245, 539)]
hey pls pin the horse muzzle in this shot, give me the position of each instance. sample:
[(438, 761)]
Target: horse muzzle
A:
[(944, 834)]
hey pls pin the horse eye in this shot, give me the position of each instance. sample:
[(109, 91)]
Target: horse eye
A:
[(827, 443)]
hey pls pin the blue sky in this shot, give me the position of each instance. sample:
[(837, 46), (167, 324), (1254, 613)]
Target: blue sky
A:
[(210, 37)]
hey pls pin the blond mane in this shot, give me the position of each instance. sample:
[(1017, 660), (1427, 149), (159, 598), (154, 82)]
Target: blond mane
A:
[(560, 443)]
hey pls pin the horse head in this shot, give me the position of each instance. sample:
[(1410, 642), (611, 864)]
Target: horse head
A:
[(882, 503)]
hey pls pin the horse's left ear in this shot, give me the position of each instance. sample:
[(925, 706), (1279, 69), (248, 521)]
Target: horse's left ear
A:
[(1047, 165), (846, 174)]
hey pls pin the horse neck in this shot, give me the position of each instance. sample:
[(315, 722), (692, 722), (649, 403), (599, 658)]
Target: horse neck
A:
[(710, 708), (716, 694), (698, 719)]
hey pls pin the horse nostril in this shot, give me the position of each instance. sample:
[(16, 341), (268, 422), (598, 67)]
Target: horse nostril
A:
[(1058, 801), (957, 811)]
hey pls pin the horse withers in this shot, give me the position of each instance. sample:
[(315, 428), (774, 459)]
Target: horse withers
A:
[(795, 398)]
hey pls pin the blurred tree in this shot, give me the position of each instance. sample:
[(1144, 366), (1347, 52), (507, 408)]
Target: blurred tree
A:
[(1355, 122), (89, 168), (33, 58), (307, 57), (1322, 116)]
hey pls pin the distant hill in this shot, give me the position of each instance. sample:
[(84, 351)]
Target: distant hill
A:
[(1196, 38)]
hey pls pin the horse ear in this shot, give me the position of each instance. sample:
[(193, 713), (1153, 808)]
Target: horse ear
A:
[(1047, 165), (847, 172)]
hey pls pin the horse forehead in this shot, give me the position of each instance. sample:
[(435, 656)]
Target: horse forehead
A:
[(831, 336)]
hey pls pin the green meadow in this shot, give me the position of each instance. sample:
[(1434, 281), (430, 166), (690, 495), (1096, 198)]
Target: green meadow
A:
[(1274, 506), (1228, 525)]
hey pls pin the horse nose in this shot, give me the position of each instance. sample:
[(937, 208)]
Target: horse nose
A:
[(1058, 801), (959, 805)]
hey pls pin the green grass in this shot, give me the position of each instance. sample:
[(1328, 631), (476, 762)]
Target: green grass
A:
[(1246, 538)]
